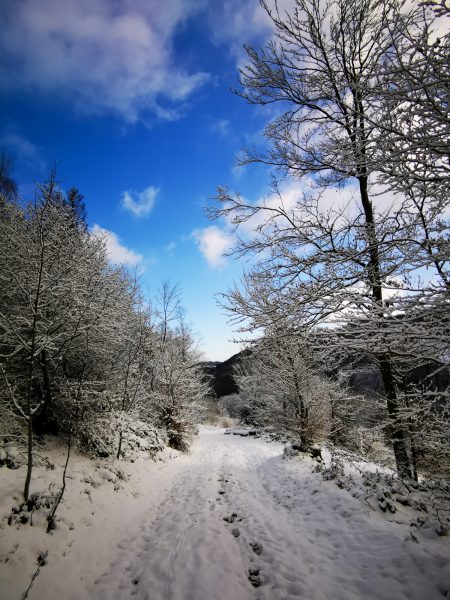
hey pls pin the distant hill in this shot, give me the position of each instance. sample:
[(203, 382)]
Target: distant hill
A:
[(221, 374), (362, 376)]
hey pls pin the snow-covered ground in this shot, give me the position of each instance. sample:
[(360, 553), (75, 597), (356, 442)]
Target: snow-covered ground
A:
[(230, 521)]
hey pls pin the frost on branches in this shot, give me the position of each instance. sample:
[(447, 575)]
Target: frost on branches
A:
[(351, 245), (81, 353)]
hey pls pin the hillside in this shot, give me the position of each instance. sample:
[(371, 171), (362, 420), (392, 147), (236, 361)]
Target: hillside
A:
[(221, 376)]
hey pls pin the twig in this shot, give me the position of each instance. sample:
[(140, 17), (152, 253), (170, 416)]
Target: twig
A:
[(42, 560), (51, 516)]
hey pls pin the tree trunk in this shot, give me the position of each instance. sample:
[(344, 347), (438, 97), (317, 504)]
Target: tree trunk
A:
[(119, 449), (26, 490), (42, 424), (397, 433)]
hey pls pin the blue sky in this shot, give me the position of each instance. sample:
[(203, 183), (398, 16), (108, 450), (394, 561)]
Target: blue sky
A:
[(130, 99)]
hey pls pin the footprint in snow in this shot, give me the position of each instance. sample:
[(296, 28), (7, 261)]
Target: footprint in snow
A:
[(255, 578), (256, 547), (232, 518)]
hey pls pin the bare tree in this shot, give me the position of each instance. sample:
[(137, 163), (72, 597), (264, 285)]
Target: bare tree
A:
[(414, 86), (168, 304), (322, 260), (180, 387)]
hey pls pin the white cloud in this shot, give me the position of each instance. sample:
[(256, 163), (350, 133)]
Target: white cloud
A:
[(241, 22), (237, 171), (213, 243), (102, 55), (214, 348), (117, 253), (139, 203)]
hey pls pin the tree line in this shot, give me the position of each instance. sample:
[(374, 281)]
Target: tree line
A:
[(82, 352)]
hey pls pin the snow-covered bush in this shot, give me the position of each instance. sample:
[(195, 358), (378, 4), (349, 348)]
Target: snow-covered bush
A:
[(236, 407), (99, 435)]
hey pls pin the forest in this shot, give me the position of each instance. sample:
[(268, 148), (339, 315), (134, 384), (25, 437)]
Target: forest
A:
[(84, 355)]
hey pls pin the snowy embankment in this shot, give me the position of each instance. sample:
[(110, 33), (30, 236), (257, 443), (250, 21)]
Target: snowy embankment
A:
[(232, 520)]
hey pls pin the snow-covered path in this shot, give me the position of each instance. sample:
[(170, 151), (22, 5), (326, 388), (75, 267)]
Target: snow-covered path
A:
[(239, 523), (231, 520)]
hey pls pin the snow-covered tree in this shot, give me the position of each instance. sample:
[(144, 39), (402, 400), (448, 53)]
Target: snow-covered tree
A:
[(46, 290), (340, 250), (413, 85), (281, 386), (179, 382)]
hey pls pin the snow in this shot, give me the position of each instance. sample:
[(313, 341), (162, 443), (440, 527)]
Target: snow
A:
[(231, 520)]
